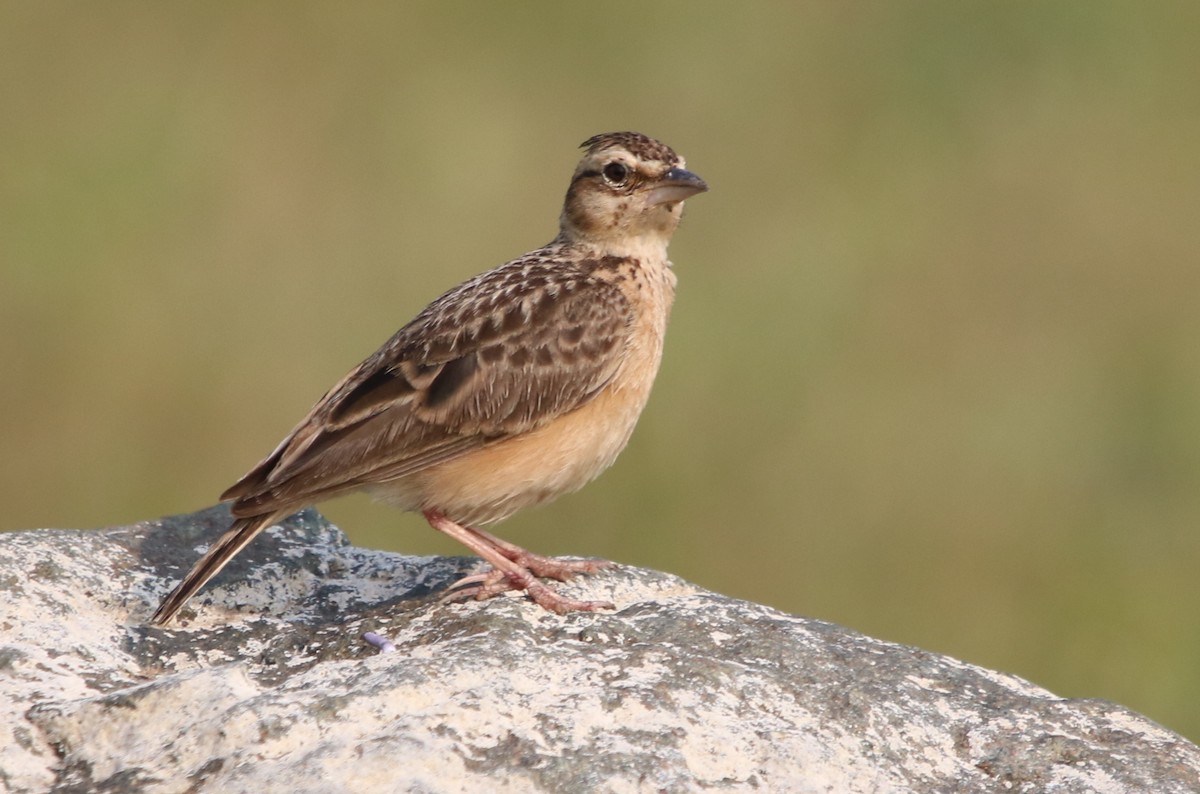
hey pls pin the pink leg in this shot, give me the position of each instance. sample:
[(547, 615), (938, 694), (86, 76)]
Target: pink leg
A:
[(515, 569), (544, 567)]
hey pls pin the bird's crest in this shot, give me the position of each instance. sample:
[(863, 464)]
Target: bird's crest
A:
[(640, 146)]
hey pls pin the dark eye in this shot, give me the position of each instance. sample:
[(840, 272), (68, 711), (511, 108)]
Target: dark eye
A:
[(616, 174)]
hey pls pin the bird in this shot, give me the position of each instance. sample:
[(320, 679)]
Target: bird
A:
[(519, 385)]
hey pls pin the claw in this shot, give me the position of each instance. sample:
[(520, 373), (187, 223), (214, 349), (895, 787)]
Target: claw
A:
[(514, 568)]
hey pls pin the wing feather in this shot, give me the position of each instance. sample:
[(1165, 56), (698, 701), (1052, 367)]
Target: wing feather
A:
[(497, 356)]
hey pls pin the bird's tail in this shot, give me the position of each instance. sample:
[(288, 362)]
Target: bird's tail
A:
[(218, 555)]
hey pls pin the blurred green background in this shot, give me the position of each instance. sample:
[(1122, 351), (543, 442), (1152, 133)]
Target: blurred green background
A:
[(933, 371)]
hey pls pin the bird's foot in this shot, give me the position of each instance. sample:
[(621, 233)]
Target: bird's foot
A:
[(513, 568), (488, 584)]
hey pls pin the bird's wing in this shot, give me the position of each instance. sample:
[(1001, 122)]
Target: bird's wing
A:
[(499, 355)]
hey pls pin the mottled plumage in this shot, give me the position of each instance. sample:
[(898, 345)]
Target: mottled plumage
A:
[(518, 385)]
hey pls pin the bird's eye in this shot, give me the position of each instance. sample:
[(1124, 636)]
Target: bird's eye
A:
[(616, 174)]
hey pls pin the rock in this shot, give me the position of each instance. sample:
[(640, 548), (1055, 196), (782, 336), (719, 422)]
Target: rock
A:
[(267, 685)]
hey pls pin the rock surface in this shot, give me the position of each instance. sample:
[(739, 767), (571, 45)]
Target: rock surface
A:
[(266, 685)]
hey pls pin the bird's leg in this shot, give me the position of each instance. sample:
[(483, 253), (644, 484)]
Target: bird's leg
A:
[(545, 567), (490, 583), (510, 574)]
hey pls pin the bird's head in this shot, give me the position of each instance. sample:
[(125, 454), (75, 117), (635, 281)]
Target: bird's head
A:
[(627, 192)]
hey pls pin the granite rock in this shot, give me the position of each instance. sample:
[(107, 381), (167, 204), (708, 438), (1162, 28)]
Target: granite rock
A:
[(266, 684)]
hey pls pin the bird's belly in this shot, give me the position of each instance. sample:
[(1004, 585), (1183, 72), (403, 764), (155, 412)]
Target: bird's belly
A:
[(495, 481), (490, 483)]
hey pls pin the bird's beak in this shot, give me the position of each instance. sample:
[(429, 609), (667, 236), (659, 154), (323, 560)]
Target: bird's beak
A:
[(675, 185)]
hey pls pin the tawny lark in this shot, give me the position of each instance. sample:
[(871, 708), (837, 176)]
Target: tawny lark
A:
[(517, 386)]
